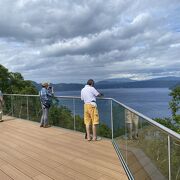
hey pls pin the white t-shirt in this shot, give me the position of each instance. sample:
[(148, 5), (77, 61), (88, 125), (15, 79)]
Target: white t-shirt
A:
[(88, 94)]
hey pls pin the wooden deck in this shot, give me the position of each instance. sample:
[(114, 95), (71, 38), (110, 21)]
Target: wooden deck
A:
[(29, 152)]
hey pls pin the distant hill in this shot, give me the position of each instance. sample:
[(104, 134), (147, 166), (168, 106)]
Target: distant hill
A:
[(68, 87), (165, 82), (113, 83), (62, 86), (115, 80), (168, 78)]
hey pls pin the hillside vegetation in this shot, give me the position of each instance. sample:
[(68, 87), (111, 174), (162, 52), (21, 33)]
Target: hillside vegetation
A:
[(14, 83)]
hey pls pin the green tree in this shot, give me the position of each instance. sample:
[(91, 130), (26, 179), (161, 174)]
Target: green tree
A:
[(174, 104), (61, 116), (14, 83), (104, 131), (4, 78), (167, 122)]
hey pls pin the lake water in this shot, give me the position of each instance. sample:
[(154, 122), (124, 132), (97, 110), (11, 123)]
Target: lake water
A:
[(152, 102)]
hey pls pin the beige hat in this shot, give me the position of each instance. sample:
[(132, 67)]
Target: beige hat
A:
[(44, 84)]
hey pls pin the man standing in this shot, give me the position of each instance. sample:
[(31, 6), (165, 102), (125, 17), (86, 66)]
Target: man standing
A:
[(45, 97), (91, 116), (1, 106)]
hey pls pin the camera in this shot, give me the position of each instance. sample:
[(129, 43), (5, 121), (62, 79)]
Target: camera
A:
[(50, 89)]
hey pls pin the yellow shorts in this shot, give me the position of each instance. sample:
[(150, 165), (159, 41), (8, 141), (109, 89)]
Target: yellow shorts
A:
[(91, 115)]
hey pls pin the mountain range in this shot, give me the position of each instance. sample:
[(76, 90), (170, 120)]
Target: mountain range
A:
[(164, 82)]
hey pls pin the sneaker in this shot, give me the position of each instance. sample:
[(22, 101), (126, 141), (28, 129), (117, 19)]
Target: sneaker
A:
[(85, 136), (47, 126), (41, 125), (97, 139), (1, 120), (135, 137), (90, 139)]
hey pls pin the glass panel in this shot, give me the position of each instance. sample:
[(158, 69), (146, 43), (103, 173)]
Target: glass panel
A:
[(61, 113), (7, 110), (19, 106), (118, 120), (147, 151), (104, 109), (175, 159), (143, 146), (34, 108), (79, 118), (119, 127)]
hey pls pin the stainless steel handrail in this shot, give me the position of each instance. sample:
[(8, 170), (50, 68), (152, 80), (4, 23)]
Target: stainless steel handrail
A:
[(68, 97)]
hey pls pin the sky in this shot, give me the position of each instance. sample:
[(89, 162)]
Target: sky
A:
[(65, 41)]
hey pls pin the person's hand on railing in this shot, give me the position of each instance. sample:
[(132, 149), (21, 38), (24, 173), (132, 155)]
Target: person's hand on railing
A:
[(100, 95)]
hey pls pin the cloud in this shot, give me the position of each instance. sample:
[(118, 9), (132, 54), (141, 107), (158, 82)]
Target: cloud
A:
[(71, 41)]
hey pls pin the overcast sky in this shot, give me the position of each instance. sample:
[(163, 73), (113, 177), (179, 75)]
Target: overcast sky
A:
[(74, 40)]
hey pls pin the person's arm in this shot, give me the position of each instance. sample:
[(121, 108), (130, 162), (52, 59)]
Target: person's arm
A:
[(97, 93), (100, 95), (50, 94), (50, 90)]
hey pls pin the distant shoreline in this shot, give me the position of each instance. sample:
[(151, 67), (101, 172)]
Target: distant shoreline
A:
[(121, 88), (119, 83)]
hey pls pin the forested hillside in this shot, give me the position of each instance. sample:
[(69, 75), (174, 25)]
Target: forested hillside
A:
[(14, 83)]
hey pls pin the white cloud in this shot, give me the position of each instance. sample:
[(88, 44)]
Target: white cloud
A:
[(67, 41)]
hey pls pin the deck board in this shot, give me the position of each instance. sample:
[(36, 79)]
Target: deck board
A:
[(30, 152)]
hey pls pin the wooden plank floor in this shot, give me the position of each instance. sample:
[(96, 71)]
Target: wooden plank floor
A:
[(29, 152)]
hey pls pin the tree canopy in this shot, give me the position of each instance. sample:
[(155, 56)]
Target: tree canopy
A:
[(174, 104), (173, 122), (14, 83)]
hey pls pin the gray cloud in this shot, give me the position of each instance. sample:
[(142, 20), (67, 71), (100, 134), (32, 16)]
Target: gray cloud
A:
[(67, 41)]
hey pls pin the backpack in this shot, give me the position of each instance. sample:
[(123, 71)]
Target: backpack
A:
[(45, 102)]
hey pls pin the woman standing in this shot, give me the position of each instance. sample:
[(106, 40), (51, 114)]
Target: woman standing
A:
[(45, 97)]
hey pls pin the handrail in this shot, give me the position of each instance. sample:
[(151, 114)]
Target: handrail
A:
[(69, 97), (151, 121), (21, 95)]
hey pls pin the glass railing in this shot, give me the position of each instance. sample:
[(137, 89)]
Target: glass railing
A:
[(150, 150), (146, 149)]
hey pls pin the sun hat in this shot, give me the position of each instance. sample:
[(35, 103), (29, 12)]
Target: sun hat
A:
[(45, 84)]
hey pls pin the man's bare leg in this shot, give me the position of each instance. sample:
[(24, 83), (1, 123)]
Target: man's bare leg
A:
[(88, 133), (129, 130), (94, 131)]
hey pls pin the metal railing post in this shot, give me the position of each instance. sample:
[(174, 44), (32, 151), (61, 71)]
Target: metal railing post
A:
[(74, 114), (169, 157), (12, 106), (27, 102), (112, 130)]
